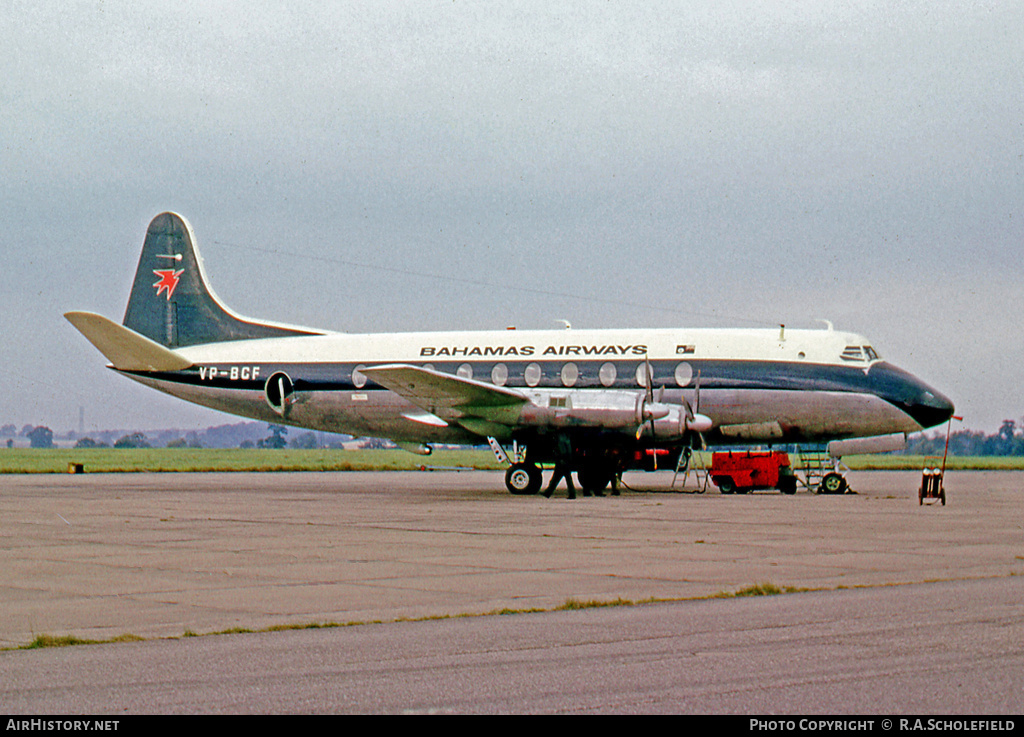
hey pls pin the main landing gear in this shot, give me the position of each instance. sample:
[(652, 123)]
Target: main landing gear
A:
[(523, 479), (594, 480)]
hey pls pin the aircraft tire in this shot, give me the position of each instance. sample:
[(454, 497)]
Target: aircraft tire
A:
[(593, 480), (523, 479), (833, 483)]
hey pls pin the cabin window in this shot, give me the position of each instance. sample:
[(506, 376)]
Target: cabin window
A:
[(532, 374), (465, 371), (570, 374), (607, 374), (642, 379), (499, 374), (684, 372)]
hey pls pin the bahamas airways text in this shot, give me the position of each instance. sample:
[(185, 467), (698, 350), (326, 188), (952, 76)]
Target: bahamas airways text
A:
[(531, 350)]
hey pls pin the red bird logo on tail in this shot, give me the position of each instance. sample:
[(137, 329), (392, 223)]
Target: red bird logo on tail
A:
[(168, 281)]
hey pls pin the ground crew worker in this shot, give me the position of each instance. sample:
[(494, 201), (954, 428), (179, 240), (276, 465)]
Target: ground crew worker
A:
[(560, 472)]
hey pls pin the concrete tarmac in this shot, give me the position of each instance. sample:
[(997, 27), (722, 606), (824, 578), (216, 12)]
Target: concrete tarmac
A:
[(941, 648), (162, 555)]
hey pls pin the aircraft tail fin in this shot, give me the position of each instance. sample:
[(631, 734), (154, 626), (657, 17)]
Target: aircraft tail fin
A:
[(171, 301)]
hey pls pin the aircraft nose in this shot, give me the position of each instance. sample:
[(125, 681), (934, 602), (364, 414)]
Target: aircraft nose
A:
[(926, 406), (931, 408)]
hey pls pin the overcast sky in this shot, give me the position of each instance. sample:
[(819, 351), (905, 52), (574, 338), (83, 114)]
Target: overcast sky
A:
[(442, 165)]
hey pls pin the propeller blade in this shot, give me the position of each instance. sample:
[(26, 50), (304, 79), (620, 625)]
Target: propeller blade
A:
[(648, 378)]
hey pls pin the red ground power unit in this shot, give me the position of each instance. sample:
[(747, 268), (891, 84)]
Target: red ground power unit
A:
[(742, 471)]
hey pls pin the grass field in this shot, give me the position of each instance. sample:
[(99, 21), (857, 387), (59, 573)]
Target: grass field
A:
[(184, 460), (953, 463)]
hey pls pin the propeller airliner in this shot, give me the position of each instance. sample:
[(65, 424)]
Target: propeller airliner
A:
[(598, 402)]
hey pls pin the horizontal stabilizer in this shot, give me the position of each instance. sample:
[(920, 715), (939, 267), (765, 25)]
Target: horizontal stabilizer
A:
[(123, 347)]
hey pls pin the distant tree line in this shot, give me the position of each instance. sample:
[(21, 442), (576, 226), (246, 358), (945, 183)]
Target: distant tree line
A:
[(39, 436), (1007, 441), (235, 435)]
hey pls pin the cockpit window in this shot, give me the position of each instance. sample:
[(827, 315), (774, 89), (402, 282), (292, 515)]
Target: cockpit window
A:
[(859, 353)]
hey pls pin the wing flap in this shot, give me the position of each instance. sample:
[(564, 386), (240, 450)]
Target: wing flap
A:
[(123, 347)]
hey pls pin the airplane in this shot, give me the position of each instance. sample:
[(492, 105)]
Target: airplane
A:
[(598, 402)]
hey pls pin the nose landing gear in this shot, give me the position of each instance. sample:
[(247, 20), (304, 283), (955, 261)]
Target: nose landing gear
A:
[(832, 483)]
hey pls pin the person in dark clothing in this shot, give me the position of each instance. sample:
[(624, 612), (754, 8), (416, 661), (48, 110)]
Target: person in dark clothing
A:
[(560, 472)]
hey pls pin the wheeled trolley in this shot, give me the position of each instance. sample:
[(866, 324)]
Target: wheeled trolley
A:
[(931, 485)]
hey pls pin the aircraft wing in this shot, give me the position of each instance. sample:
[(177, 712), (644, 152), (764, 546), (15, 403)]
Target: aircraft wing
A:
[(451, 398)]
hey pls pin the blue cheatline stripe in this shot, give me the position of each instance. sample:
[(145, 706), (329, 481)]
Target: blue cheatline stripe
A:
[(713, 374)]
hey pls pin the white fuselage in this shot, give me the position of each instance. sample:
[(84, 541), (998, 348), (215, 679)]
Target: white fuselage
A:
[(756, 385)]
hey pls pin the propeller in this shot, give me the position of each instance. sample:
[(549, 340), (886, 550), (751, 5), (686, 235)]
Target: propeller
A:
[(649, 380), (650, 402), (647, 411), (696, 423), (653, 409), (694, 419)]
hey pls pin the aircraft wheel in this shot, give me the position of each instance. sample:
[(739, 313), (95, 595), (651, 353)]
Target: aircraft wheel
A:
[(593, 480), (833, 483), (523, 479)]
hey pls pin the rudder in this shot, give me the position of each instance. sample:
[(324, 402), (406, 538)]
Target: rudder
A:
[(171, 301)]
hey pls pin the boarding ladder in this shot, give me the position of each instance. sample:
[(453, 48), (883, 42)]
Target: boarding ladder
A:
[(814, 465), (695, 462)]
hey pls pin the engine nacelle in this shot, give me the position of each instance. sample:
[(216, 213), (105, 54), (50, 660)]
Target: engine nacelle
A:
[(874, 444), (611, 410), (675, 423), (279, 392)]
